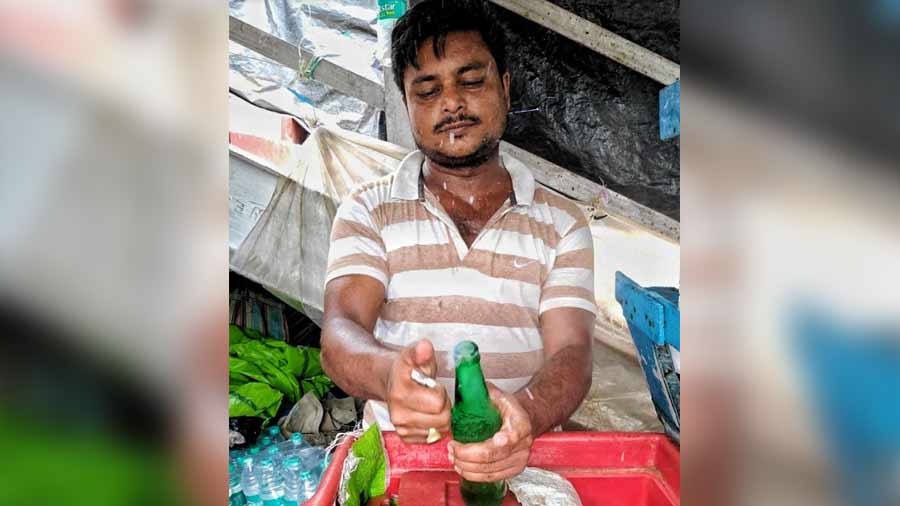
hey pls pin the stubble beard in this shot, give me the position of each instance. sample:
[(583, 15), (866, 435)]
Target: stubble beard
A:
[(486, 149)]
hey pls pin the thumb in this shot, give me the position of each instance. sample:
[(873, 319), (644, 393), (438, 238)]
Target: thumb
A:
[(494, 392), (423, 357)]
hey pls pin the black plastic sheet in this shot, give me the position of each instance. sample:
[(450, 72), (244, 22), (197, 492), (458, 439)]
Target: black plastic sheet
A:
[(597, 117)]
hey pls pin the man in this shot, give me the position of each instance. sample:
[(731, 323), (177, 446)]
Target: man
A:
[(459, 244)]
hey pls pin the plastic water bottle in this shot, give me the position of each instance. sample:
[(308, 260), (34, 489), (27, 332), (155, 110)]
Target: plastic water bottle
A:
[(271, 488), (292, 483), (299, 484), (275, 434), (308, 484), (273, 453), (249, 482), (233, 456), (292, 447), (388, 13), (311, 459), (235, 495)]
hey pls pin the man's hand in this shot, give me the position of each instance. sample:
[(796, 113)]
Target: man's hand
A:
[(504, 455), (415, 408)]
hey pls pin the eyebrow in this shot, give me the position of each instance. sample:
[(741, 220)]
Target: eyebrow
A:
[(462, 70), (472, 66), (422, 79)]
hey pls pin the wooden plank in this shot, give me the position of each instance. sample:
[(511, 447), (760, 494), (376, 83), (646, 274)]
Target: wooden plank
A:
[(586, 191), (287, 54), (396, 117), (595, 37)]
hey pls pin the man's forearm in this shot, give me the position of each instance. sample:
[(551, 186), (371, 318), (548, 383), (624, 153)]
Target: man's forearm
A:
[(354, 360), (558, 388)]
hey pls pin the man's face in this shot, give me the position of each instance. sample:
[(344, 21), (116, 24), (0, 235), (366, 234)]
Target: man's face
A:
[(457, 104)]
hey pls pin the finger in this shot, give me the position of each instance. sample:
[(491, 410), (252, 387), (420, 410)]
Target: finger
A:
[(487, 452), (518, 458), (430, 401), (505, 473), (409, 434), (484, 452), (515, 420), (493, 391), (417, 435), (421, 421), (502, 400), (423, 357)]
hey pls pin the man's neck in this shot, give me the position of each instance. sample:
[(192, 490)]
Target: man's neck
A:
[(486, 179)]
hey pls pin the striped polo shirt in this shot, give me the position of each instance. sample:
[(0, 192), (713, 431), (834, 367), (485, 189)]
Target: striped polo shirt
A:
[(534, 255)]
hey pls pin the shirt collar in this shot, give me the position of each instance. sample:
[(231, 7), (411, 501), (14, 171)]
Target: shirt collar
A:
[(406, 181)]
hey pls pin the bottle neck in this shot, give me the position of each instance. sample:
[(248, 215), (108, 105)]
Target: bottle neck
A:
[(470, 387)]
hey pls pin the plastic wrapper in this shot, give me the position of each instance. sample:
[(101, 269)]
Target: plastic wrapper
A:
[(539, 487), (364, 474)]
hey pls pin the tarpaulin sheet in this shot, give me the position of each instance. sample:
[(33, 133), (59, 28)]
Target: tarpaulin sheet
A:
[(341, 30), (287, 249)]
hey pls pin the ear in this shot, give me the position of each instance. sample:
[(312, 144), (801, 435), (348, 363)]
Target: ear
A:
[(506, 90)]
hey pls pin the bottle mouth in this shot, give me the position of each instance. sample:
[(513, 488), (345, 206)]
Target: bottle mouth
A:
[(465, 351)]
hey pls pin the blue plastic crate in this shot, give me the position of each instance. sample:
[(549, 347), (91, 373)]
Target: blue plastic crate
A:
[(853, 374), (670, 111), (655, 324)]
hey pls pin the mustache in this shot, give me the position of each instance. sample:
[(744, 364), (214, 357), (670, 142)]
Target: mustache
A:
[(455, 119)]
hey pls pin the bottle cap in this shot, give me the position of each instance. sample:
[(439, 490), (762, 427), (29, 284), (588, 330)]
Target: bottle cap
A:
[(274, 430), (265, 462), (292, 462), (254, 450), (297, 437), (465, 350)]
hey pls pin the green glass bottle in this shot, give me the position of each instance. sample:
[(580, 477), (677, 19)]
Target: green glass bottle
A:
[(474, 419)]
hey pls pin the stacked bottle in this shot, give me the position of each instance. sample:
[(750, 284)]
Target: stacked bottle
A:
[(275, 472), (235, 494)]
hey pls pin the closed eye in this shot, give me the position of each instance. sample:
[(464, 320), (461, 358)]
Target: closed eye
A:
[(473, 84), (427, 94)]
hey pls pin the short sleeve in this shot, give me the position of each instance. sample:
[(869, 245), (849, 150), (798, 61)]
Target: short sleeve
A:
[(570, 283), (356, 246)]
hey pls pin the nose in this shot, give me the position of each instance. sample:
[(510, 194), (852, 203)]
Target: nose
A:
[(452, 101)]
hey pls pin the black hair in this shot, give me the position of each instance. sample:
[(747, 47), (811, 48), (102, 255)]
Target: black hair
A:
[(437, 18)]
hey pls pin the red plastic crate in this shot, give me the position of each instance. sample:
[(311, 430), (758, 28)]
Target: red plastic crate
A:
[(606, 468)]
